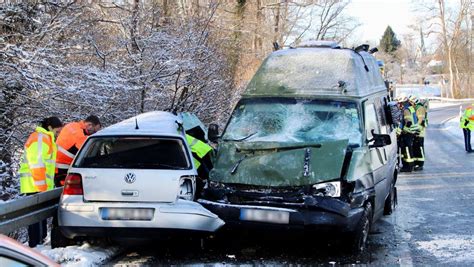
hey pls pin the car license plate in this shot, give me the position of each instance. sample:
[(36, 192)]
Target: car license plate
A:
[(271, 216), (129, 214)]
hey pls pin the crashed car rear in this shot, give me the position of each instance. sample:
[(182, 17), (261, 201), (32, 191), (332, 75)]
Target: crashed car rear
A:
[(133, 179), (310, 146)]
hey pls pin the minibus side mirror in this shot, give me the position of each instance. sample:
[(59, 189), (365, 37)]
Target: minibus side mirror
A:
[(380, 140), (213, 132)]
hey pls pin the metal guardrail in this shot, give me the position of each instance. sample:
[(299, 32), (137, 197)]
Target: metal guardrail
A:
[(25, 211), (444, 99)]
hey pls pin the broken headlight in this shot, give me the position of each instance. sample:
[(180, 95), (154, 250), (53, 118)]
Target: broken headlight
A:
[(215, 185), (187, 187), (329, 189)]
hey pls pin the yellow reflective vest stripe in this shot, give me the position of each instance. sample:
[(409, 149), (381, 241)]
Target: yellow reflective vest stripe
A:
[(198, 148), (37, 166)]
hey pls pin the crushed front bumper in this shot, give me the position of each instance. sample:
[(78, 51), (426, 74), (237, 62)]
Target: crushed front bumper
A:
[(78, 218), (338, 217)]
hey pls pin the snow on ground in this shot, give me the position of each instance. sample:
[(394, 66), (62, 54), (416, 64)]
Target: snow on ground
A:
[(452, 126), (450, 248), (79, 255), (82, 255)]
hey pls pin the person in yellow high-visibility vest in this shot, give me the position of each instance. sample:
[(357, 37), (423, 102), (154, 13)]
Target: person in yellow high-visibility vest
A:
[(202, 158), (467, 125), (37, 168)]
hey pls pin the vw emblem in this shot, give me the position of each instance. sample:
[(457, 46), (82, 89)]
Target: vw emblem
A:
[(130, 178)]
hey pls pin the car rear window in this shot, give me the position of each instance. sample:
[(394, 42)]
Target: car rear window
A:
[(133, 152)]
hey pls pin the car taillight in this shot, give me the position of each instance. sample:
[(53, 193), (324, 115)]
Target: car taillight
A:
[(73, 184), (187, 187)]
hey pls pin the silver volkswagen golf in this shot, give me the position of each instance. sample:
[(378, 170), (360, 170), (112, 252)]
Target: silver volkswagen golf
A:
[(132, 179)]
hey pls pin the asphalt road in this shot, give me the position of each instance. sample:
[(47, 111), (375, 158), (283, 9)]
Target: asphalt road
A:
[(433, 223)]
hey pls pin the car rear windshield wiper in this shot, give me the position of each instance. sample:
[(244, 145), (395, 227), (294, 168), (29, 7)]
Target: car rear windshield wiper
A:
[(243, 138)]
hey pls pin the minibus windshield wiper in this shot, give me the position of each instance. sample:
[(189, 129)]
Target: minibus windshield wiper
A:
[(241, 139)]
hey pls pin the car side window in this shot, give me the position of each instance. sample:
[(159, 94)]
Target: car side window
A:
[(380, 111), (371, 121), (381, 115)]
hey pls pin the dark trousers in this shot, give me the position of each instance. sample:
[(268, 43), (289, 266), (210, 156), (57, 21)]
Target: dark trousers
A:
[(467, 139), (419, 150), (406, 145), (36, 232), (59, 177)]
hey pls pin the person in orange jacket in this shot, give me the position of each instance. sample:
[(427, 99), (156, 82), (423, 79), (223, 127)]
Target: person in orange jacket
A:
[(70, 140)]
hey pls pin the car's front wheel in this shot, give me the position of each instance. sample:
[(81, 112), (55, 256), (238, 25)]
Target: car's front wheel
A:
[(391, 201), (358, 239)]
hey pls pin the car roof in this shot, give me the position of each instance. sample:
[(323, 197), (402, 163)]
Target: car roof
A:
[(150, 123), (317, 71)]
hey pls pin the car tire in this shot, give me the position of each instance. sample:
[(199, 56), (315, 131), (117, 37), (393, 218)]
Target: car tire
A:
[(358, 239), (391, 201), (58, 239)]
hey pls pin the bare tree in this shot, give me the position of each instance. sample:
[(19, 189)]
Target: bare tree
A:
[(449, 25)]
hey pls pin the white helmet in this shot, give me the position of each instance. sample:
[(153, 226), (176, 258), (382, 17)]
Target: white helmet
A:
[(414, 99), (402, 97)]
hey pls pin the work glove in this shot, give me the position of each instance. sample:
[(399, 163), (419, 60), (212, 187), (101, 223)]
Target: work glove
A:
[(466, 122), (423, 124), (409, 123), (398, 131)]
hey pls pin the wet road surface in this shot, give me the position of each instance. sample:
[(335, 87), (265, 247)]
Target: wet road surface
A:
[(432, 225)]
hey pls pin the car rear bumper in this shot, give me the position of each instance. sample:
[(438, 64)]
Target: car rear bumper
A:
[(129, 232), (78, 218), (299, 218)]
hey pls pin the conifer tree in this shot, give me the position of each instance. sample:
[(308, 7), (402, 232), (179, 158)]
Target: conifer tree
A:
[(389, 42)]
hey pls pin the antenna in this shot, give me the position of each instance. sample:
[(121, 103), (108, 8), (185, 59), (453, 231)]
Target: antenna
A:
[(136, 124)]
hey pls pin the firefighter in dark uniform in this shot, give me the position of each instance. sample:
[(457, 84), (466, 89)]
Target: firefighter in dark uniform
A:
[(409, 129), (419, 138)]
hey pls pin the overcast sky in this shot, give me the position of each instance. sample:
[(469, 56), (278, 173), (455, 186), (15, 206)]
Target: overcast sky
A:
[(375, 15)]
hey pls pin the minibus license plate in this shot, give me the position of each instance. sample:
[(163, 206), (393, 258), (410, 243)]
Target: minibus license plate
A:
[(271, 216), (138, 214)]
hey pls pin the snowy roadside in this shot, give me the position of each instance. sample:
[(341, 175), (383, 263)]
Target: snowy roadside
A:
[(452, 126), (450, 248), (85, 254)]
